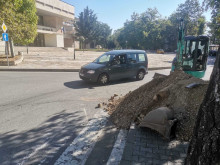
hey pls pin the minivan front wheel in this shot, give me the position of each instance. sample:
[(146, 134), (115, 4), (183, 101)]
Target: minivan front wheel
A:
[(103, 79), (140, 75)]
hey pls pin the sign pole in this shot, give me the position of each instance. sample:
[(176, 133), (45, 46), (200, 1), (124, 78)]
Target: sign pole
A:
[(5, 38), (6, 46)]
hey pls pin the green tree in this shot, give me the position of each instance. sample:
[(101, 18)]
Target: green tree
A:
[(190, 12), (85, 26), (102, 32), (21, 20), (214, 25), (201, 25), (144, 31), (113, 40), (149, 30), (131, 35), (90, 29)]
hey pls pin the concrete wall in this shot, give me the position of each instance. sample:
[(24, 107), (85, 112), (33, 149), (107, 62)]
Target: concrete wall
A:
[(77, 45), (54, 40), (60, 40), (49, 21), (50, 40), (55, 7), (68, 42), (52, 21)]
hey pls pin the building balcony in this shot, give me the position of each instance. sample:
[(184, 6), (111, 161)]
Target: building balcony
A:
[(48, 30)]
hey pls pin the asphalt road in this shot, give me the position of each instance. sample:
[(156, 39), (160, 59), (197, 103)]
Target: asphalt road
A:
[(42, 112)]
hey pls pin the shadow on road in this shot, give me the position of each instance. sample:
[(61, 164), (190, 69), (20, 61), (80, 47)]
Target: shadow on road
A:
[(80, 84), (45, 143)]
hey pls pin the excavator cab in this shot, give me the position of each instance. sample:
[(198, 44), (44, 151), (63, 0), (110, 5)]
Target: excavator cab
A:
[(194, 55)]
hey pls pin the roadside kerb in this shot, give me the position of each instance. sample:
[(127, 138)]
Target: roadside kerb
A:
[(59, 70)]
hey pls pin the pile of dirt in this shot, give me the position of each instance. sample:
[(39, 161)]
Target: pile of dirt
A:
[(163, 91)]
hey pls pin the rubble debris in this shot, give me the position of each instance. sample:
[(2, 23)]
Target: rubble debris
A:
[(163, 91), (158, 75), (100, 105)]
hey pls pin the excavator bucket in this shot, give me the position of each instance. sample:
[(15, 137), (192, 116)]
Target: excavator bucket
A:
[(161, 120)]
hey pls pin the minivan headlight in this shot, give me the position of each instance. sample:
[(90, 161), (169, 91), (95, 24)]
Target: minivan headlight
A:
[(91, 72)]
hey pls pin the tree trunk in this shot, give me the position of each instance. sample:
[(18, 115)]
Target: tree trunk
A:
[(6, 48), (204, 146), (11, 47)]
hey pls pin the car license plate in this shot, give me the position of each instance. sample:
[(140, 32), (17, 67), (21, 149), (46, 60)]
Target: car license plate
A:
[(81, 74)]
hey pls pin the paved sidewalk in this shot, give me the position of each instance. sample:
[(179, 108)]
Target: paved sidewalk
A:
[(145, 147), (63, 60)]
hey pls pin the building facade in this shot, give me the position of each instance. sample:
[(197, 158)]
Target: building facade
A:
[(55, 24)]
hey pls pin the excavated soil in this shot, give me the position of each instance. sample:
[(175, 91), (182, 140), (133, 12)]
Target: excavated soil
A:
[(185, 102)]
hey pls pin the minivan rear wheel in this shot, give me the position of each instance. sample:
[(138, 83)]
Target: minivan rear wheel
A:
[(103, 79), (140, 75)]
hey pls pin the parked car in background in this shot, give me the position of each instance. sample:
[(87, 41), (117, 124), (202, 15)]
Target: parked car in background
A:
[(160, 51), (116, 64), (213, 49)]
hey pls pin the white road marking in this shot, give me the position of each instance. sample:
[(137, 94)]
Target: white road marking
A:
[(79, 150), (118, 148)]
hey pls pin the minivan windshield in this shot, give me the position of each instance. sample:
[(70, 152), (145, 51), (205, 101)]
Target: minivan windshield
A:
[(105, 58)]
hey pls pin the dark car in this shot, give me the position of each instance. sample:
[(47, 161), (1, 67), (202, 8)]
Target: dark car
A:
[(213, 50), (116, 64)]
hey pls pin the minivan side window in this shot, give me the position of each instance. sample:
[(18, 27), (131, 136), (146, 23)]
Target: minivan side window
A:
[(119, 59), (132, 57), (104, 59), (141, 57), (122, 58)]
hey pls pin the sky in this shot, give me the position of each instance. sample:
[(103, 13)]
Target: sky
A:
[(116, 12)]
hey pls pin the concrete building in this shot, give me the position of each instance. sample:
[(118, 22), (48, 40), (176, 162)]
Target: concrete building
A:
[(55, 24)]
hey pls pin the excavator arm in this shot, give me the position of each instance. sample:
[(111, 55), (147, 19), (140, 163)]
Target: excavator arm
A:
[(180, 46)]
